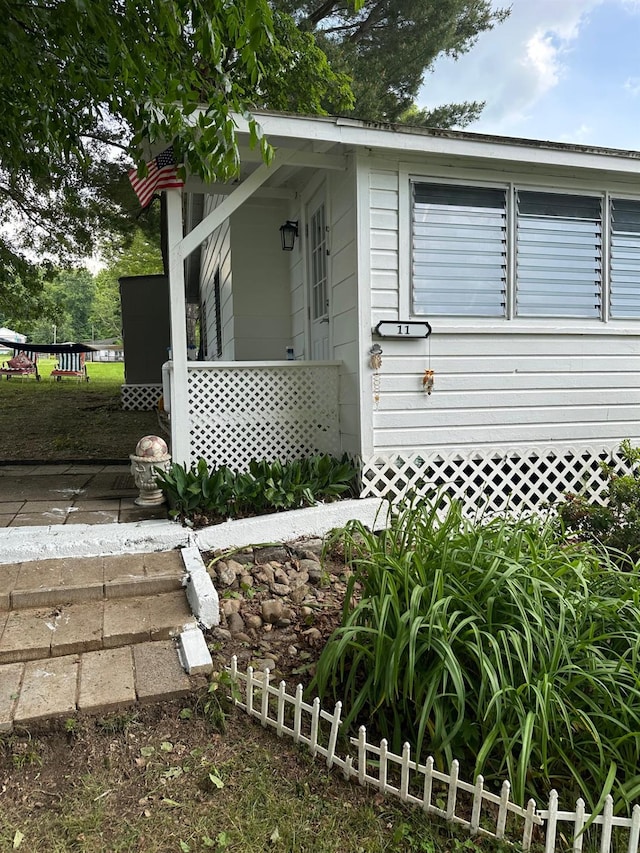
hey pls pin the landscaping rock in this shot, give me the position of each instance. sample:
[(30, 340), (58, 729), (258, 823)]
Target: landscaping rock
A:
[(244, 557), (311, 555), (297, 579), (298, 594), (272, 610), (252, 620), (235, 623), (265, 555), (225, 574), (236, 567), (286, 604), (231, 605), (313, 635)]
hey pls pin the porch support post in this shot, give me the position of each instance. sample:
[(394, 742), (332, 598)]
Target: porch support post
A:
[(180, 449), (180, 247)]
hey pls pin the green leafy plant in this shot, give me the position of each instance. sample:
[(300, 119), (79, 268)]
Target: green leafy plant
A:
[(24, 751), (616, 524), (117, 723), (497, 643), (198, 493), (215, 704)]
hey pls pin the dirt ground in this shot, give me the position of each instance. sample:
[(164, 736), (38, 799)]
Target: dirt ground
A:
[(197, 775), (52, 422)]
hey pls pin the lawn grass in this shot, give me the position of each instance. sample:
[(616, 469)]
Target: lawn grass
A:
[(69, 420), (161, 780)]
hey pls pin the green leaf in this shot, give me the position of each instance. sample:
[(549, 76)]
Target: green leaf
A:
[(216, 780)]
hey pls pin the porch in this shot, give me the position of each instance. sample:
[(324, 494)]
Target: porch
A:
[(242, 410)]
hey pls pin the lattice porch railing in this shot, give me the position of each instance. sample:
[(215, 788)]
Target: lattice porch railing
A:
[(494, 480), (239, 411), (140, 397)]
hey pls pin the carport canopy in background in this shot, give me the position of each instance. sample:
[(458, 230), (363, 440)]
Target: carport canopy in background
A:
[(52, 349), (10, 335)]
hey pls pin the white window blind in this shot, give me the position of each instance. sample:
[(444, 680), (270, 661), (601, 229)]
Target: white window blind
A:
[(625, 259), (458, 250), (559, 255)]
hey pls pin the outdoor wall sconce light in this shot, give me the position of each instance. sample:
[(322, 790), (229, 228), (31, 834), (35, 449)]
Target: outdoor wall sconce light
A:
[(288, 234)]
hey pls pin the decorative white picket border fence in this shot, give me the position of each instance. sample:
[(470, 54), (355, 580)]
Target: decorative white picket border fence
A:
[(291, 715)]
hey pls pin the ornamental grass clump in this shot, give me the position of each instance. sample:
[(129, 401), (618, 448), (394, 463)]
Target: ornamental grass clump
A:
[(497, 643)]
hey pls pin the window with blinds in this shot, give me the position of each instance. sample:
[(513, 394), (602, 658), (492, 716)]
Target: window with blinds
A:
[(624, 265), (458, 250), (559, 255)]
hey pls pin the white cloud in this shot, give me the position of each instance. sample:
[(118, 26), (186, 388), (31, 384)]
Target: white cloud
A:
[(543, 57), (578, 135), (632, 86), (514, 65)]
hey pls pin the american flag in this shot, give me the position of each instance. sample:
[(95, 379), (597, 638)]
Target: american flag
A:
[(161, 175)]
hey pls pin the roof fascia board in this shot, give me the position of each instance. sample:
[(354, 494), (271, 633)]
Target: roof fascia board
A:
[(353, 134)]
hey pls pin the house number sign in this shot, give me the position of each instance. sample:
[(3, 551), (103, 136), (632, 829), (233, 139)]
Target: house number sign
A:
[(403, 329)]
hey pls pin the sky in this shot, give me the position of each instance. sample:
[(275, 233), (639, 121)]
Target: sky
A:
[(561, 70)]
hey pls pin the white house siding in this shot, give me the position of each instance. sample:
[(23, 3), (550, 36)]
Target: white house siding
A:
[(254, 298), (216, 254), (340, 189), (344, 301), (501, 384), (262, 316)]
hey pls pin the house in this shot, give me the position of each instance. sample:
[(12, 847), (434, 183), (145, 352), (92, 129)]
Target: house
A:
[(521, 258), (109, 349)]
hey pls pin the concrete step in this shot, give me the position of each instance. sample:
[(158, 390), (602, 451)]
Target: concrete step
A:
[(65, 629), (50, 583), (93, 635)]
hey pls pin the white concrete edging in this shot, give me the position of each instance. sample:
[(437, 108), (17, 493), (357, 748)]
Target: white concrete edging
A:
[(25, 544)]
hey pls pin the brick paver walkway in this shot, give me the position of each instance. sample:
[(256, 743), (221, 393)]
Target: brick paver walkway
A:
[(90, 634)]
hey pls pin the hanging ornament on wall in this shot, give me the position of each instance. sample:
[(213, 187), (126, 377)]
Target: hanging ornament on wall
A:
[(427, 381), (375, 362)]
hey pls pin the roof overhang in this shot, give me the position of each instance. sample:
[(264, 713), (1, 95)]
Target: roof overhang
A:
[(331, 133)]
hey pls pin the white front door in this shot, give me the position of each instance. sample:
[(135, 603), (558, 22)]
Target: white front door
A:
[(317, 260)]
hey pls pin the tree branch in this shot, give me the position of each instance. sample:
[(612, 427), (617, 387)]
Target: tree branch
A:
[(323, 11)]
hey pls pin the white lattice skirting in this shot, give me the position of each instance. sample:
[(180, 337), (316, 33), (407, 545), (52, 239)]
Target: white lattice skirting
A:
[(239, 413), (140, 397), (494, 480), (494, 815)]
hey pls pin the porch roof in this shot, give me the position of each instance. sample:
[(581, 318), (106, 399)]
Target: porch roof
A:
[(325, 141)]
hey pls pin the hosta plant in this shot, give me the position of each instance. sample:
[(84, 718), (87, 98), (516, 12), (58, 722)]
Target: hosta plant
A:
[(202, 495)]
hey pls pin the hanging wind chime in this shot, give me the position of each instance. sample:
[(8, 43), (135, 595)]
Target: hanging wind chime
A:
[(375, 361)]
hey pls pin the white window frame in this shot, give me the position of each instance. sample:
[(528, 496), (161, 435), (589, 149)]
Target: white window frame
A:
[(619, 196), (408, 177)]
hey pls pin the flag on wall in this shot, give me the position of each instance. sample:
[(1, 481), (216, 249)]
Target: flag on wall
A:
[(161, 175)]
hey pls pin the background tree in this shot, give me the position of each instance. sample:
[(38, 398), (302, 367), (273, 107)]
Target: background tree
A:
[(141, 257), (65, 305), (94, 83), (91, 78), (387, 46)]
